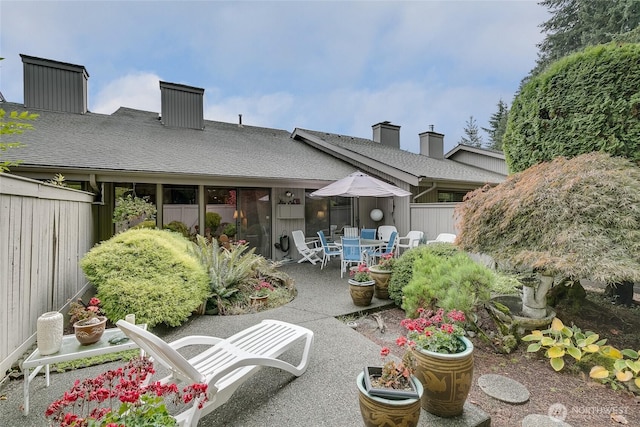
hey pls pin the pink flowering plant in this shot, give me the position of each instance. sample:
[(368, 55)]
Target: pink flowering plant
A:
[(386, 262), (436, 331), (360, 274), (263, 289), (92, 402), (78, 310)]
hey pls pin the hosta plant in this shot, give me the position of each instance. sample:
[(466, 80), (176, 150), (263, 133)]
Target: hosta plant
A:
[(560, 340)]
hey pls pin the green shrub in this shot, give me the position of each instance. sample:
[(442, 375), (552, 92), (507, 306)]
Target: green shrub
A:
[(212, 221), (150, 273), (229, 230), (403, 268), (130, 209), (588, 101), (449, 282), (178, 227), (146, 224)]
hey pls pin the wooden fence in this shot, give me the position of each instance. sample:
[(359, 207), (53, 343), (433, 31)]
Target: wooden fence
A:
[(44, 232), (433, 218)]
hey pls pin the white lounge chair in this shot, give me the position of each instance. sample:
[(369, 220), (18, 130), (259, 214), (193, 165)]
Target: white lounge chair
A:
[(226, 363), (443, 238), (308, 250)]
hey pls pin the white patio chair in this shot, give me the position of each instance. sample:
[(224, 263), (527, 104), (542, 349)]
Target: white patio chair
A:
[(351, 232), (308, 250), (351, 253), (443, 238), (226, 363), (328, 249), (411, 240), (384, 232)]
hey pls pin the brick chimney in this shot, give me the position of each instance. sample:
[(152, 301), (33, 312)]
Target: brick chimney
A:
[(432, 144), (387, 134), (55, 86), (182, 106)]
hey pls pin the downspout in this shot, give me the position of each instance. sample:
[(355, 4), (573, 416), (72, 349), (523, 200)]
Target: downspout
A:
[(428, 190)]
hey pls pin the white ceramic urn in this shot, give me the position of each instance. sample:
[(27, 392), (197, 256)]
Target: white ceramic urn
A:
[(50, 328)]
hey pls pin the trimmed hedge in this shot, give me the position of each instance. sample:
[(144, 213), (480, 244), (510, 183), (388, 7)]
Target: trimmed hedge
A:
[(148, 272), (585, 102)]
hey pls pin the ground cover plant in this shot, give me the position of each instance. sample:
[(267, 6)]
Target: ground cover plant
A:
[(148, 272)]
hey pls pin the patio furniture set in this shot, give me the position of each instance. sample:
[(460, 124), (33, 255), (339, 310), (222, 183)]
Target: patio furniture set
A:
[(355, 246)]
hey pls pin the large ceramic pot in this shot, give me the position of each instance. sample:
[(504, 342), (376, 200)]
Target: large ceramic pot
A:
[(382, 278), (361, 292), (378, 411), (88, 331), (446, 379)]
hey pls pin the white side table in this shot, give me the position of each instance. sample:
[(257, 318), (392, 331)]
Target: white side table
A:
[(71, 350)]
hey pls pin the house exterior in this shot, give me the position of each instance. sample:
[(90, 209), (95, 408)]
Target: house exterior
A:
[(256, 179)]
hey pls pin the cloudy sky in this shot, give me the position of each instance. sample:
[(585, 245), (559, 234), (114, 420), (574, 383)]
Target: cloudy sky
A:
[(333, 66)]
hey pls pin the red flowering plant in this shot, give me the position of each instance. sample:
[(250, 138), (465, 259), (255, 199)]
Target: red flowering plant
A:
[(78, 310), (438, 332), (360, 274), (263, 289), (396, 375), (90, 403)]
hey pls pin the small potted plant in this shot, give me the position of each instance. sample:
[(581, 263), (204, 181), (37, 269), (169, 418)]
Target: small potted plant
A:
[(361, 285), (381, 273), (261, 292), (390, 395), (442, 351), (88, 320)]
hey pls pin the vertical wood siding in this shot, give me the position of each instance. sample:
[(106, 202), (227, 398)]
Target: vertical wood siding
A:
[(44, 232), (433, 218)]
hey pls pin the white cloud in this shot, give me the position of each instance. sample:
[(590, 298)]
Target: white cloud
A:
[(138, 90)]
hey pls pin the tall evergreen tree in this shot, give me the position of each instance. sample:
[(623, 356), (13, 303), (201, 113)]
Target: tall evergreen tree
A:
[(576, 24), (497, 126), (472, 132)]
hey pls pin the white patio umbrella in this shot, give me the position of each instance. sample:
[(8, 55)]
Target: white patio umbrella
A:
[(359, 184)]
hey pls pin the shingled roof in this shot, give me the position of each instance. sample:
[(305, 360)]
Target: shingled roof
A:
[(135, 141), (419, 166)]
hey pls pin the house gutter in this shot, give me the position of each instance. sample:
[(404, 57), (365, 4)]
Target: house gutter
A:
[(428, 190)]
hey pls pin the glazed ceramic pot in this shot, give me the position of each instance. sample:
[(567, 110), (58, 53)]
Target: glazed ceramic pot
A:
[(381, 278), (361, 292), (378, 412), (446, 379), (89, 331)]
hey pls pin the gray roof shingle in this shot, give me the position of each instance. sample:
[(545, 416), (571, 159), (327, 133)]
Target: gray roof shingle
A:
[(412, 163), (134, 140)]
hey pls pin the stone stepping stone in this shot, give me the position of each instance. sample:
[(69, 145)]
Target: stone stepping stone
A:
[(537, 420), (503, 388)]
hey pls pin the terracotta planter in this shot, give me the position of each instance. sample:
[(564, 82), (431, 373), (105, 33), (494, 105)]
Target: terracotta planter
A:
[(361, 292), (381, 278), (379, 412), (89, 333), (446, 379)]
